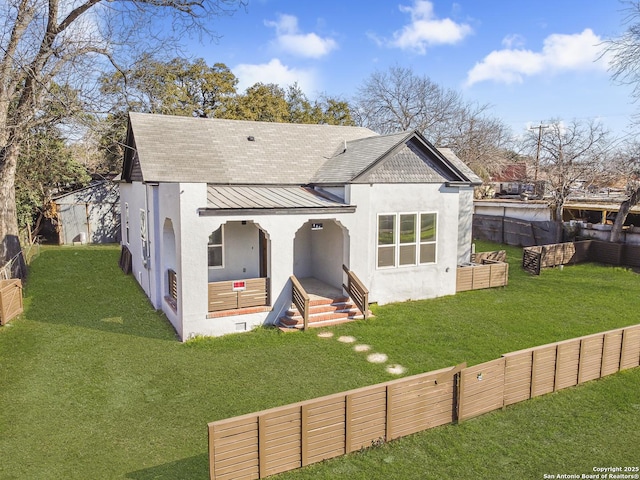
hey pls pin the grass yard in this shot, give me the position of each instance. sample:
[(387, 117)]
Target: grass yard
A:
[(94, 384)]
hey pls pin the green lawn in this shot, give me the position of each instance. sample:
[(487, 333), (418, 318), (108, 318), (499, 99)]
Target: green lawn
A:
[(94, 384)]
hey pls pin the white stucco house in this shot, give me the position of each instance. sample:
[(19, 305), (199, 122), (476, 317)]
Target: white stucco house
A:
[(221, 217)]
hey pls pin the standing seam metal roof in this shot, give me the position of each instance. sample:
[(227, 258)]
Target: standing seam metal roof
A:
[(224, 197)]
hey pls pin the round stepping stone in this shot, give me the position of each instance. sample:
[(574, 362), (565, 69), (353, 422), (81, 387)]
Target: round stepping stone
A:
[(346, 339), (325, 334), (377, 358), (362, 348), (396, 369)]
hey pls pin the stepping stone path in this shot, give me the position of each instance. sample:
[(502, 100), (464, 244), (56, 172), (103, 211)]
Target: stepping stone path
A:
[(347, 339), (393, 369), (377, 358)]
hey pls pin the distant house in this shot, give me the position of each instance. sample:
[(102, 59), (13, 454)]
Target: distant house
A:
[(511, 181), (222, 218), (89, 215)]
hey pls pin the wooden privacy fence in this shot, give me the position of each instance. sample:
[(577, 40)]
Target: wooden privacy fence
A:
[(289, 437), (545, 256), (10, 299), (285, 438)]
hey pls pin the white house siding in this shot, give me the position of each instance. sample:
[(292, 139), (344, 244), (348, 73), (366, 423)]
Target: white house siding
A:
[(406, 282), (133, 196), (194, 273), (241, 252), (349, 238), (465, 224), (152, 274)]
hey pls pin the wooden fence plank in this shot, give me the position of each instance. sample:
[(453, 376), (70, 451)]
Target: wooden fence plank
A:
[(630, 355), (481, 388), (590, 358), (518, 368), (543, 370), (611, 352), (567, 364)]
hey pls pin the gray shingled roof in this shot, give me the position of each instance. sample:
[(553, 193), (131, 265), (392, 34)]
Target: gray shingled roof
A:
[(358, 156), (405, 166), (460, 165), (237, 152), (187, 149)]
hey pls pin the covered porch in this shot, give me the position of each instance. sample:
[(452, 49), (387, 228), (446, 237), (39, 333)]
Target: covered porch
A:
[(269, 235)]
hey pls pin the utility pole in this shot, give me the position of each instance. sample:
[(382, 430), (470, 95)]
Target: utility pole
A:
[(535, 176)]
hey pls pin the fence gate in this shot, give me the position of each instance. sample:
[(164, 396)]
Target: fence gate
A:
[(481, 389), (531, 260)]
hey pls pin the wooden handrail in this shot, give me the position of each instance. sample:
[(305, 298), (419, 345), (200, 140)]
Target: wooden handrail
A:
[(300, 299), (357, 291)]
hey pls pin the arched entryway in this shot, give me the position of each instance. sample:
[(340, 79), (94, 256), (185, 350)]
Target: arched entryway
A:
[(320, 250)]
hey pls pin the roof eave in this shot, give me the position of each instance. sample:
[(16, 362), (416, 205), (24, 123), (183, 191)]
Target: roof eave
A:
[(462, 184), (213, 212)]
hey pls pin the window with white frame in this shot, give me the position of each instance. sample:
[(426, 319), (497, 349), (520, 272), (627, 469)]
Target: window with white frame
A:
[(215, 248), (406, 239)]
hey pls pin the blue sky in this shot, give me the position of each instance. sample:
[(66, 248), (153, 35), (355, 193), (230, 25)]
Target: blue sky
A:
[(531, 61)]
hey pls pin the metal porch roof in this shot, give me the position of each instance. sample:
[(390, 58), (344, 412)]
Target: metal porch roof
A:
[(223, 199)]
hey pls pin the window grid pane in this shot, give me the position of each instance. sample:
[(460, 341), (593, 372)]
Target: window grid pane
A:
[(215, 256), (427, 253), (387, 256), (408, 228), (407, 254), (427, 227), (215, 250), (386, 229)]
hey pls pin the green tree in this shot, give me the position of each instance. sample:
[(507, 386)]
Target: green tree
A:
[(174, 87), (46, 168), (66, 42), (262, 102)]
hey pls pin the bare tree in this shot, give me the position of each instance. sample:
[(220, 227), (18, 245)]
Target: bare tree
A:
[(625, 50), (627, 165), (65, 42), (625, 68), (570, 153), (399, 100)]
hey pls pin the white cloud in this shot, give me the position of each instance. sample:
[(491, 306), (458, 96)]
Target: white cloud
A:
[(289, 39), (274, 72), (560, 53), (512, 41), (426, 30)]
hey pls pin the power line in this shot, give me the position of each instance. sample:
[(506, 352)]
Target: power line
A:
[(539, 127)]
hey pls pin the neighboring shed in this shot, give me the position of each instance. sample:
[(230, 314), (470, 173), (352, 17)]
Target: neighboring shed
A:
[(89, 215)]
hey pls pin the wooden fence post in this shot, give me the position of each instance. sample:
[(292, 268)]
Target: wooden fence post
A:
[(304, 435), (389, 429)]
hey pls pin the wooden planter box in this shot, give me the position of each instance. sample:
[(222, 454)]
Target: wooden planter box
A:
[(489, 275), (10, 299)]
